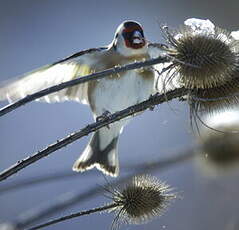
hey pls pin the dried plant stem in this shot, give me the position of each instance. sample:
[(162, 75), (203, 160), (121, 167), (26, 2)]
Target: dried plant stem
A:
[(152, 101), (143, 198), (39, 179), (74, 215), (80, 80), (66, 200)]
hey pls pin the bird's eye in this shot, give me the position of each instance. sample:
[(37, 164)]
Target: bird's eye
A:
[(126, 35), (133, 37), (129, 32)]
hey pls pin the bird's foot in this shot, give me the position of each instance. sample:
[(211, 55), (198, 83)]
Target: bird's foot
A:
[(183, 98), (151, 108), (104, 116)]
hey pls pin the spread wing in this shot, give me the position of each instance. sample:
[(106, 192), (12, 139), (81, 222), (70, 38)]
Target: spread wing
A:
[(77, 65)]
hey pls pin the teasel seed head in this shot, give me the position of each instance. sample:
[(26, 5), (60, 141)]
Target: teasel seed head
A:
[(138, 202), (205, 61), (219, 147), (141, 200)]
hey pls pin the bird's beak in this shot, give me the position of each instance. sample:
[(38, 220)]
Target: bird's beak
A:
[(138, 38)]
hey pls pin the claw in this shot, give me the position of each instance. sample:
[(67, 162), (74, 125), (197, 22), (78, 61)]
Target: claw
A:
[(104, 116), (151, 108), (182, 98)]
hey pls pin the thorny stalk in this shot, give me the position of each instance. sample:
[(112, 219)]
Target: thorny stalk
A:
[(152, 101), (74, 215), (80, 80)]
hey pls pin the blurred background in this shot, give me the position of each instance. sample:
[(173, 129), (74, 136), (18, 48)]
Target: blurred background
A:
[(35, 33)]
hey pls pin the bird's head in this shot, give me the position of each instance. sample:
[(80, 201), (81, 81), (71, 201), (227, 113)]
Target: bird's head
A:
[(129, 39)]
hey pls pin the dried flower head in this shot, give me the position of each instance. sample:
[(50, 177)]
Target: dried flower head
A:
[(206, 62), (141, 200), (222, 149), (219, 148), (138, 202)]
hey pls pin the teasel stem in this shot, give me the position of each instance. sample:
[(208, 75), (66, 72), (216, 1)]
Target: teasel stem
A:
[(74, 215), (152, 101), (81, 80), (143, 198), (65, 200), (39, 179)]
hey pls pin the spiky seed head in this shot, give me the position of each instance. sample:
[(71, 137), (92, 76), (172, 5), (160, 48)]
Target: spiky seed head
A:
[(220, 145), (206, 59), (141, 200), (212, 100), (206, 62), (222, 148)]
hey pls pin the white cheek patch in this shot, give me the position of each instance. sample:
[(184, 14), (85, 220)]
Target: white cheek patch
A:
[(137, 41)]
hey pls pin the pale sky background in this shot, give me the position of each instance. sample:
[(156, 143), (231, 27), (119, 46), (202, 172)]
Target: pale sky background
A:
[(35, 33)]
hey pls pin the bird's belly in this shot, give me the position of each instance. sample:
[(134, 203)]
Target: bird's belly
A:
[(114, 94)]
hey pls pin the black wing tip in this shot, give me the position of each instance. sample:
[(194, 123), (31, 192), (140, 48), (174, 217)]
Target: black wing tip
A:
[(75, 55)]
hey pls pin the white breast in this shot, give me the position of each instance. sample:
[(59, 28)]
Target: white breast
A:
[(115, 94)]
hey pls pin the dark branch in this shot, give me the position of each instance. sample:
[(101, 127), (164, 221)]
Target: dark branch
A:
[(48, 178), (152, 101), (80, 80), (36, 180), (74, 215), (64, 201)]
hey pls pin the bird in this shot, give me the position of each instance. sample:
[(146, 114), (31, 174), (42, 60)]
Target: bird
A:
[(108, 95)]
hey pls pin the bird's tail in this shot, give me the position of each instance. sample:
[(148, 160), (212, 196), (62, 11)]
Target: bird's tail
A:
[(101, 152)]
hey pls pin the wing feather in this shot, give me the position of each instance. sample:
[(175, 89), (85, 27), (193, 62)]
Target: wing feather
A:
[(77, 65)]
